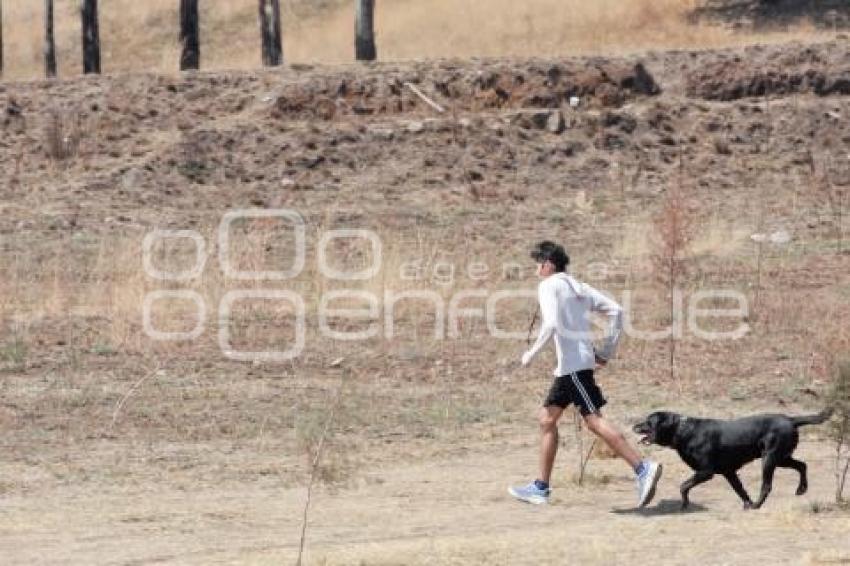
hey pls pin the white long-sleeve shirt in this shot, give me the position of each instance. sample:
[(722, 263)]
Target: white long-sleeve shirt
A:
[(566, 304)]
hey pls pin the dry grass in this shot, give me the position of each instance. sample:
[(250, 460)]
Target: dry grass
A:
[(721, 238), (62, 136), (106, 281), (96, 300), (139, 36)]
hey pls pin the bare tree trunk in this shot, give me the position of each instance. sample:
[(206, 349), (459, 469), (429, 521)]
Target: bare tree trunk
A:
[(364, 31), (190, 37), (270, 31), (49, 42), (91, 37)]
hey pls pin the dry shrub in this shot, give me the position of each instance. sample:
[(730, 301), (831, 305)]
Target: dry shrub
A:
[(674, 228), (63, 135), (336, 467), (14, 351), (674, 232), (839, 431), (831, 181)]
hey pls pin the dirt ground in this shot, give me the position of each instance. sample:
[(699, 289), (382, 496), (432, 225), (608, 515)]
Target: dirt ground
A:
[(116, 448), (449, 509)]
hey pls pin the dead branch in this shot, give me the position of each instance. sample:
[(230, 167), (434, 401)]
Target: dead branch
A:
[(424, 98), (127, 395), (315, 465)]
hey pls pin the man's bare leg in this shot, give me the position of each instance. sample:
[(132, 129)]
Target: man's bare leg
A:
[(612, 436), (548, 439)]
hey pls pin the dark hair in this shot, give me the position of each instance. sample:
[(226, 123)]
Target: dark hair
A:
[(550, 251)]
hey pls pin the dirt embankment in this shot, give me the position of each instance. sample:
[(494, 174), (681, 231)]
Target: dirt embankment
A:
[(772, 14), (764, 72), (320, 131), (467, 88)]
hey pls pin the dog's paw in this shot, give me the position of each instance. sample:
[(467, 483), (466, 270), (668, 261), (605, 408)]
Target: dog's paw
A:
[(802, 489)]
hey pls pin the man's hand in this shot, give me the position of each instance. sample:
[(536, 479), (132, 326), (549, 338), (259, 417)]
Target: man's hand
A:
[(526, 359)]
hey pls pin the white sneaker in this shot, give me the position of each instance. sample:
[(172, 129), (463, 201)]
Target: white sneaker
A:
[(647, 481), (530, 494)]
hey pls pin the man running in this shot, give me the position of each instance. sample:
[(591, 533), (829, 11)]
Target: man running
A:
[(566, 304)]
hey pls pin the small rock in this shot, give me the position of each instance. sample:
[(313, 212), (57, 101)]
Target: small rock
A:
[(609, 141), (437, 125), (626, 122), (555, 123), (132, 178), (530, 119), (780, 237), (13, 109), (415, 127), (311, 162), (721, 147), (362, 110), (382, 133), (643, 81)]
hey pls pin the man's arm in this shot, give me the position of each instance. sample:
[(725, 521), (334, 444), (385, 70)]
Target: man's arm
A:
[(549, 313), (602, 304)]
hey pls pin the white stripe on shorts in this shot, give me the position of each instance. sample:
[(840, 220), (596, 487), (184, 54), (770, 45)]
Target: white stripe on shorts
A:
[(590, 406)]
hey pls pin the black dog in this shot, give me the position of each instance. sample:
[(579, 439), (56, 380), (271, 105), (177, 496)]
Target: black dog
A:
[(711, 447)]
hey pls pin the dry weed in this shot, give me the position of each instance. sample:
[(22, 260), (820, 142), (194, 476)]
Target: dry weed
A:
[(63, 134), (674, 227)]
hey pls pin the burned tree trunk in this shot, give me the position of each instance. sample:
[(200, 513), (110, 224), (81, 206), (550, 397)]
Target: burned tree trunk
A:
[(364, 31), (91, 37), (49, 42), (190, 37), (270, 31)]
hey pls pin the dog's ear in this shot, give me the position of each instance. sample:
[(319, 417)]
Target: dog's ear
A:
[(665, 427)]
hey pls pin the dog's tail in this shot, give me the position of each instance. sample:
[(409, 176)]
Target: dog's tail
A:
[(813, 419)]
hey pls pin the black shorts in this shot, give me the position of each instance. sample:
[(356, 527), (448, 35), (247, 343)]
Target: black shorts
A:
[(578, 388)]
